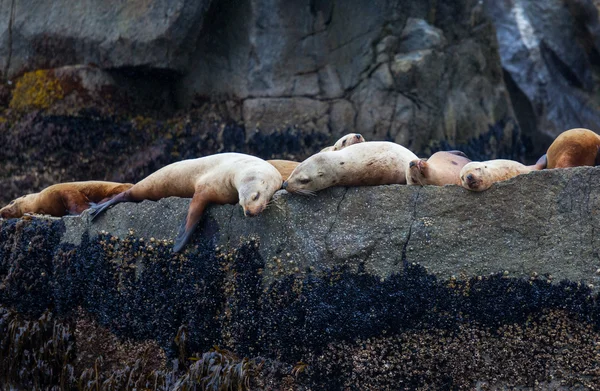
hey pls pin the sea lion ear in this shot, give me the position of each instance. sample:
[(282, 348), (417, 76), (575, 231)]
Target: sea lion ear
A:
[(458, 153)]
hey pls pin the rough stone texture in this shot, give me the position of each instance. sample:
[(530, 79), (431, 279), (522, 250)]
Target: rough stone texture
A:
[(422, 75), (550, 52), (157, 34), (378, 288), (544, 222)]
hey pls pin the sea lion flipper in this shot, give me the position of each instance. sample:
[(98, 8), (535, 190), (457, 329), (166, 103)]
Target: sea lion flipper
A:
[(96, 209), (597, 161), (542, 162), (183, 236), (195, 210)]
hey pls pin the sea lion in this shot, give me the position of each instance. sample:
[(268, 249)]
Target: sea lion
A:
[(345, 141), (442, 168), (285, 167), (63, 198), (364, 164), (225, 178), (479, 176), (574, 148)]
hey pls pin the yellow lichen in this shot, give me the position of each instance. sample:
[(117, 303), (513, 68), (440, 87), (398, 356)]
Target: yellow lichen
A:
[(36, 90)]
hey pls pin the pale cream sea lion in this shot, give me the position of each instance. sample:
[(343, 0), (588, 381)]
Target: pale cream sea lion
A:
[(63, 198), (479, 176), (442, 168), (345, 141), (225, 178), (364, 164)]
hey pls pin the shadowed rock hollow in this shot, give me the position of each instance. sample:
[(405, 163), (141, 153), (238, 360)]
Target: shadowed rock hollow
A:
[(360, 288)]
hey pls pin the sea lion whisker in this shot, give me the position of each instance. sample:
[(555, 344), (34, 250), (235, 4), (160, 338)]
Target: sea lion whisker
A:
[(306, 192)]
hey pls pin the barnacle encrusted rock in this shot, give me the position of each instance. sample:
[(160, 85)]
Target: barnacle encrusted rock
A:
[(375, 288)]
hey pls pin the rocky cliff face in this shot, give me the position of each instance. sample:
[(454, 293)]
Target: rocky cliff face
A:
[(426, 75), (370, 288), (550, 54), (390, 287)]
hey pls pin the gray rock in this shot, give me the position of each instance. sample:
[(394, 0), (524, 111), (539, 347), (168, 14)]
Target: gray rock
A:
[(155, 34), (420, 35), (288, 63), (357, 52), (536, 224), (547, 51)]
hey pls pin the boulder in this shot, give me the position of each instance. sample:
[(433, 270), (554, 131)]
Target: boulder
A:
[(521, 226), (425, 287), (155, 34)]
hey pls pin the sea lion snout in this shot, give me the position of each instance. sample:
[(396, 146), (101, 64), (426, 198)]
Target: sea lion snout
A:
[(470, 179)]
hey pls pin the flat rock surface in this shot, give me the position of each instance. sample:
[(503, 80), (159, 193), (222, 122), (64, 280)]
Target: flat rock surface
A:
[(544, 222)]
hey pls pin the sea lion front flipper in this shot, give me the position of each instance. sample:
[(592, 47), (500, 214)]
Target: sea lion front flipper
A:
[(195, 210)]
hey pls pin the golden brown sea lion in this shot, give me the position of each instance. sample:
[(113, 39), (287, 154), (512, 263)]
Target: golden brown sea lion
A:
[(63, 198), (574, 148), (285, 167), (442, 168), (225, 178), (364, 164)]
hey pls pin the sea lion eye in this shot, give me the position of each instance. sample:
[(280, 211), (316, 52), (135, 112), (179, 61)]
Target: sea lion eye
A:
[(321, 174), (344, 143), (255, 198), (305, 181)]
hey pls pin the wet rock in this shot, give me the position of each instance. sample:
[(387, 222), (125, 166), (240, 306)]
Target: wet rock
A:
[(549, 50)]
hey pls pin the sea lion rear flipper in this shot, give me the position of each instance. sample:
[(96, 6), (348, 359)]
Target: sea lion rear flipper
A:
[(542, 162), (197, 206), (96, 209)]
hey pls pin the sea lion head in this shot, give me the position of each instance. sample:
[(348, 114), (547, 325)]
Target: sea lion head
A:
[(14, 208), (416, 172), (348, 140), (475, 176), (311, 175), (257, 189)]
